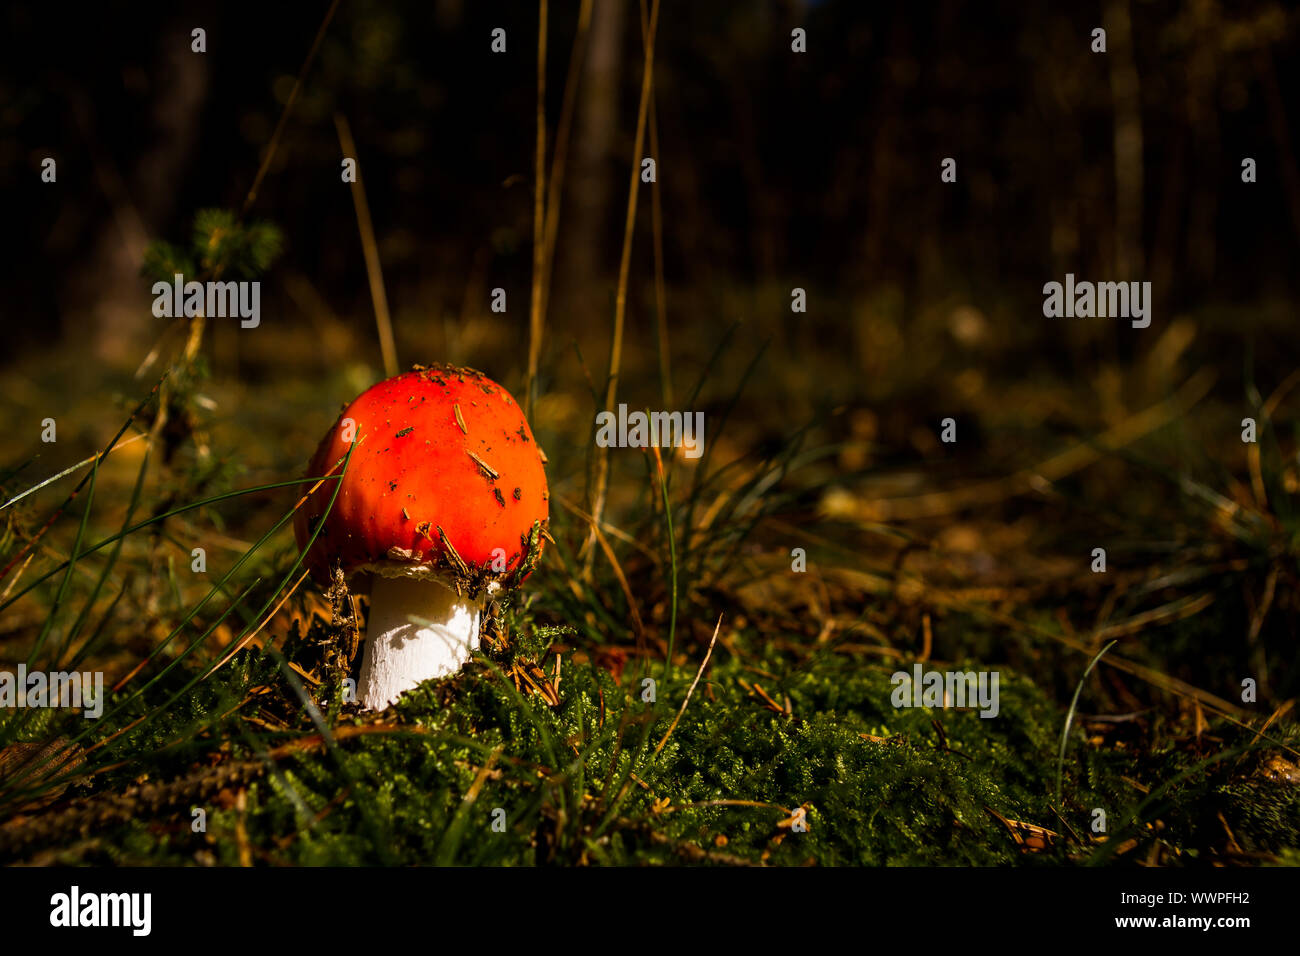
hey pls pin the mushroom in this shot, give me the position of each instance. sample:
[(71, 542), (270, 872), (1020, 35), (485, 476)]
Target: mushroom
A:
[(441, 510)]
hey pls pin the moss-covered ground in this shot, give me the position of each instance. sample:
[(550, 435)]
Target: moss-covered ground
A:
[(825, 541)]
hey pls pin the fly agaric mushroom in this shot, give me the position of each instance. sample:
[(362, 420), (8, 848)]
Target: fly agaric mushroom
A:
[(440, 510)]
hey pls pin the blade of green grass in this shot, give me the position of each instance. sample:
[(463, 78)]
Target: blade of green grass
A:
[(63, 587), (1069, 716), (162, 517), (112, 559)]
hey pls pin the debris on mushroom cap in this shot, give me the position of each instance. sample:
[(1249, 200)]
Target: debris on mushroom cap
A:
[(444, 477)]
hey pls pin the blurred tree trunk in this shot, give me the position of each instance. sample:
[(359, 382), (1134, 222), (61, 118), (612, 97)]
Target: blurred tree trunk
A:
[(880, 180), (107, 303), (448, 13), (1203, 120), (1277, 122), (582, 246), (1126, 96)]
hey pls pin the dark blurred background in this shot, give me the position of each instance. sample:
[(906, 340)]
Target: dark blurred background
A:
[(777, 169)]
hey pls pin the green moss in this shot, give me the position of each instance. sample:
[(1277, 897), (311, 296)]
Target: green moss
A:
[(583, 783)]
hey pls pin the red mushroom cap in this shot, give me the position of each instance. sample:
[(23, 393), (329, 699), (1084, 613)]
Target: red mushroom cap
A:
[(439, 451)]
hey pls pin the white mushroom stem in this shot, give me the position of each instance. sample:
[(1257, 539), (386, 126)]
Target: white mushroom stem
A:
[(419, 628)]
